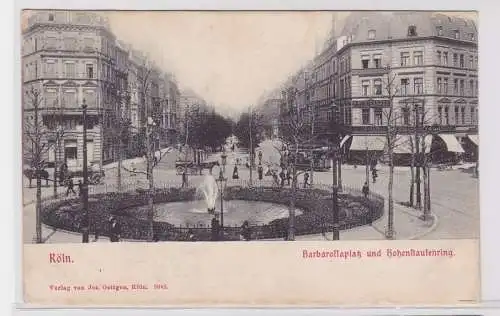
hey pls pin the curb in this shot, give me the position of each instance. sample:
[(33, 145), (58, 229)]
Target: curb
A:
[(435, 223)]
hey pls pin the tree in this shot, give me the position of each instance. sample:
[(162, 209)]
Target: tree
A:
[(36, 148), (296, 132)]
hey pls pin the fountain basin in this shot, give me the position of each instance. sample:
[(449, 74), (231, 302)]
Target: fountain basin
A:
[(194, 213)]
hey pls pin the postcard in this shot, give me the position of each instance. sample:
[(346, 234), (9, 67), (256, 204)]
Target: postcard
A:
[(250, 158)]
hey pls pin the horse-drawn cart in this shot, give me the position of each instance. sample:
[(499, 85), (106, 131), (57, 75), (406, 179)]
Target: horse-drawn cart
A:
[(194, 168)]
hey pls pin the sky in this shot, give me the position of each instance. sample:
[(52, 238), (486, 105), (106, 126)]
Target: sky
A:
[(228, 58)]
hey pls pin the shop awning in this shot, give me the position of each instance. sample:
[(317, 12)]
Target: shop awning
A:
[(403, 144), (368, 142), (342, 142), (452, 143), (474, 139)]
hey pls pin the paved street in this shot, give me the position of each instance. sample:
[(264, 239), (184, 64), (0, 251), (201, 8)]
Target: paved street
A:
[(454, 199)]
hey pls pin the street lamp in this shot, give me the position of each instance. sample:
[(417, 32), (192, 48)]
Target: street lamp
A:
[(85, 192), (335, 202), (223, 157), (221, 185)]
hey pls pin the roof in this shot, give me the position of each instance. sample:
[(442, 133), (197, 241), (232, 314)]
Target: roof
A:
[(395, 25)]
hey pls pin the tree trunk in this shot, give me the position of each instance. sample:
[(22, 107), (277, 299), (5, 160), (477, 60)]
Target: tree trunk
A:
[(412, 180), (55, 168), (119, 166), (390, 201), (38, 208), (425, 189), (291, 226)]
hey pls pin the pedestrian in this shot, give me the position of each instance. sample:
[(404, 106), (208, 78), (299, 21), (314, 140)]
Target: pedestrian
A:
[(115, 230), (70, 187), (260, 156), (235, 173), (260, 171), (275, 177), (237, 161), (306, 179), (215, 229), (245, 233), (374, 175), (366, 190), (282, 177), (288, 175), (184, 179), (80, 188)]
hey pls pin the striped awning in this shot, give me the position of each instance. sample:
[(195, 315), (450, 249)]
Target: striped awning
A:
[(452, 143), (342, 142), (474, 139), (368, 142)]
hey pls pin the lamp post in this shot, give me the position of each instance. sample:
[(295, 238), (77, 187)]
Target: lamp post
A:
[(221, 184), (223, 157), (85, 192), (335, 201)]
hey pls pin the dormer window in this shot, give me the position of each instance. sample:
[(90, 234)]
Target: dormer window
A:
[(439, 30), (457, 34), (51, 17), (371, 34), (412, 30)]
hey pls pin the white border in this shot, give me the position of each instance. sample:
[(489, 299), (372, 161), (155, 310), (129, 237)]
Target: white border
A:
[(489, 114)]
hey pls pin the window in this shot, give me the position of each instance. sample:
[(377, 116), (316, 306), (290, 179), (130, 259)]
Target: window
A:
[(447, 116), (365, 62), (90, 97), (405, 58), (51, 43), (476, 61), (406, 115), (50, 69), (377, 60), (371, 34), (70, 99), (418, 85), (463, 115), (440, 85), (412, 30), (50, 98), (88, 44), (70, 43), (378, 117), (445, 86), (70, 70), (440, 115), (462, 62), (455, 60), (472, 115), (90, 71), (405, 83), (471, 87), (457, 34), (418, 58), (477, 88), (439, 30), (457, 109), (462, 87), (455, 87), (365, 86), (472, 37), (377, 85), (445, 58), (365, 114), (51, 17), (438, 55), (471, 62)]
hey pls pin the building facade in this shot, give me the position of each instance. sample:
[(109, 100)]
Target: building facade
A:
[(427, 61), (71, 58)]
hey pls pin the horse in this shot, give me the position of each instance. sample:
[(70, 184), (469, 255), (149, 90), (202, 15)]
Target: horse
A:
[(32, 174)]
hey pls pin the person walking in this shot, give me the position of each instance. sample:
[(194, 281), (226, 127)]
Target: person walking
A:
[(235, 173), (260, 171), (246, 233), (70, 187), (115, 230), (366, 190), (282, 177), (184, 179), (306, 179), (215, 229)]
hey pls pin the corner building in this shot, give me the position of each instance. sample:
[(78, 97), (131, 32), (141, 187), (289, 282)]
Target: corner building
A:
[(433, 59)]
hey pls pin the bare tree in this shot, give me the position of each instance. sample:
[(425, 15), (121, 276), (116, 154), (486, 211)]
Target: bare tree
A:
[(296, 132), (36, 149), (57, 125), (391, 137)]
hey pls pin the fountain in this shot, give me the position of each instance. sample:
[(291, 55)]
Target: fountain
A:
[(210, 191)]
